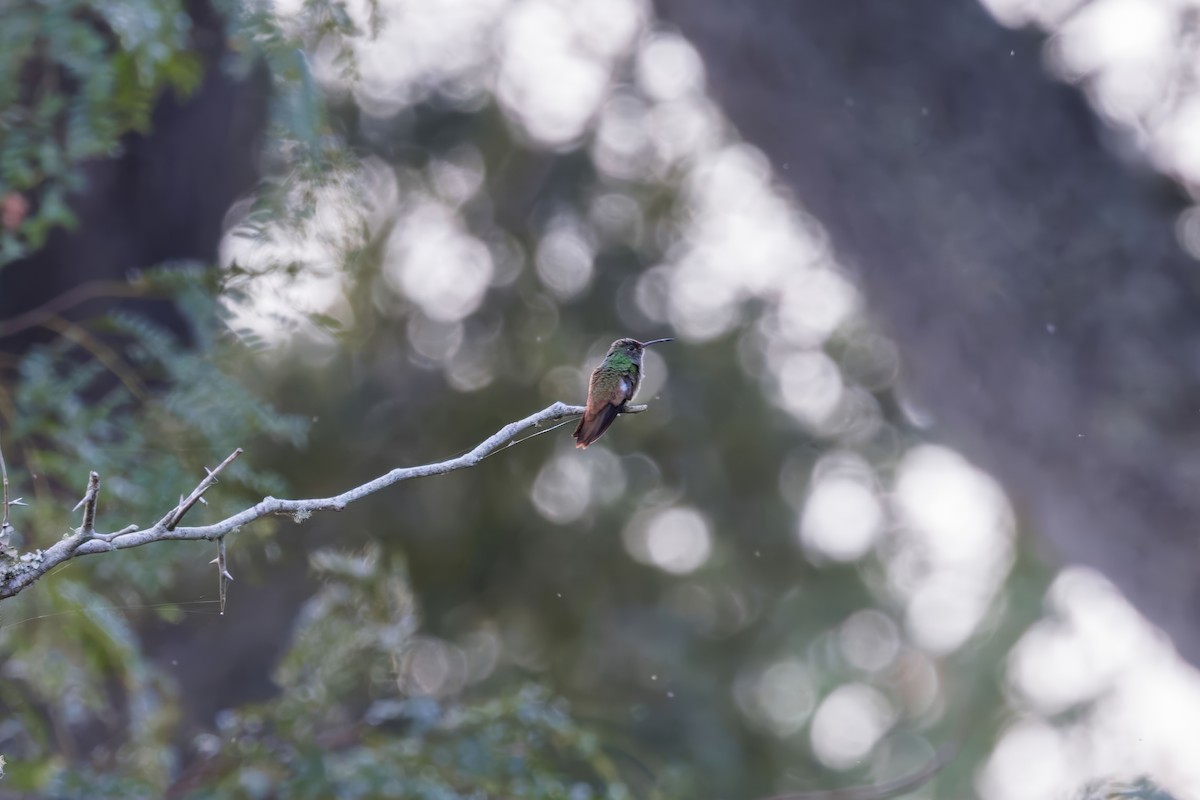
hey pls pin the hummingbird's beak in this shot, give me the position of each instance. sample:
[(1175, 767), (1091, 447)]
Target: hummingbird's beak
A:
[(658, 341)]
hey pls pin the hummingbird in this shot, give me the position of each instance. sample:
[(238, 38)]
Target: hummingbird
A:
[(613, 384)]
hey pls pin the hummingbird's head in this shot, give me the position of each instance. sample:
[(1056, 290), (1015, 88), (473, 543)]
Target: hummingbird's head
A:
[(632, 347)]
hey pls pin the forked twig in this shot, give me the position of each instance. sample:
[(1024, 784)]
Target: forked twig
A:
[(172, 519)]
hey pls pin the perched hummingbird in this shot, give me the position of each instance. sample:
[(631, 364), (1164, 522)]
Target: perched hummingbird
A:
[(613, 384)]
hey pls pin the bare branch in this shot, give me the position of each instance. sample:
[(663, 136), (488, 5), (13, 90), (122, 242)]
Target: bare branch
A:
[(88, 528), (89, 509), (171, 520), (7, 551), (5, 527), (223, 576), (80, 294), (32, 566)]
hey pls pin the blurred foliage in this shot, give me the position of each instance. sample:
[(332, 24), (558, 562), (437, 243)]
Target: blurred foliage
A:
[(145, 410), (1141, 789), (514, 630), (75, 77), (303, 152), (345, 726), (139, 405)]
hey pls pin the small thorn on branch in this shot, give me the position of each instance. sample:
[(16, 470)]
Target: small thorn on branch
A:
[(108, 537), (185, 503)]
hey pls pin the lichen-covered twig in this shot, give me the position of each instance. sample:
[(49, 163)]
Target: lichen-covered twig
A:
[(18, 576)]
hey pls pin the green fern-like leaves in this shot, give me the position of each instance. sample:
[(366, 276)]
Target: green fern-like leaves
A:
[(145, 409), (74, 77)]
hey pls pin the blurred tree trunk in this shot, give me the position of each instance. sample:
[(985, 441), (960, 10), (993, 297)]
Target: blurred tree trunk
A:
[(1048, 318), (163, 198)]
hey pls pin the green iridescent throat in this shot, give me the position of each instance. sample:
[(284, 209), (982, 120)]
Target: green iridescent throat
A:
[(620, 362)]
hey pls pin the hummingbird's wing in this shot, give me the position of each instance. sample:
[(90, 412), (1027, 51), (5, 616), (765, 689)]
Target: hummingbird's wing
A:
[(600, 412)]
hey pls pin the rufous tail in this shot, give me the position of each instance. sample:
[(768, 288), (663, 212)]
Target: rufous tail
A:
[(592, 426)]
